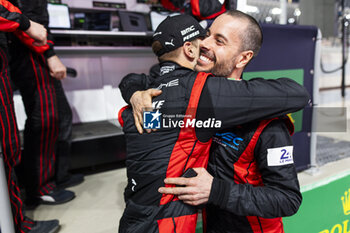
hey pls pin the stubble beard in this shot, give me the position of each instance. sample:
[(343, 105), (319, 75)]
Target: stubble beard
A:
[(223, 69)]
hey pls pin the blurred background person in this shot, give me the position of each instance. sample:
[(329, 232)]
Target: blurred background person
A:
[(48, 128), (12, 20)]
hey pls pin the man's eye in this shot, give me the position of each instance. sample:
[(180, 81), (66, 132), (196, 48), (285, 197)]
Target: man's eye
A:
[(220, 41)]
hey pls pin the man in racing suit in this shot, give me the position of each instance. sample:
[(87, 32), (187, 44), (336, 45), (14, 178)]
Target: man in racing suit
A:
[(190, 97), (12, 20), (255, 181), (48, 128)]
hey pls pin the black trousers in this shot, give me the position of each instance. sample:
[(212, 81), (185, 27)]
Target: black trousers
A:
[(11, 146), (47, 133)]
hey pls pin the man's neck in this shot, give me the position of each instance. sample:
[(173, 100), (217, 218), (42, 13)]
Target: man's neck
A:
[(184, 63), (236, 74), (235, 78)]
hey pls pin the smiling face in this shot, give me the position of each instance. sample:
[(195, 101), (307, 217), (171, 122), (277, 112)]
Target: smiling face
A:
[(221, 49)]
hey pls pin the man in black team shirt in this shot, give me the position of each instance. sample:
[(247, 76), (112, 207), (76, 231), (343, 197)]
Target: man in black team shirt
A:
[(170, 151)]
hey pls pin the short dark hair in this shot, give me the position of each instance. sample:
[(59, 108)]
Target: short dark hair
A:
[(252, 37)]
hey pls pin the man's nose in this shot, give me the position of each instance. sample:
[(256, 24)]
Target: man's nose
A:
[(205, 44)]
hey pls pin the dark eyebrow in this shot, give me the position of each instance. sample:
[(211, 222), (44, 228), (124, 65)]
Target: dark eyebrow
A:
[(221, 36)]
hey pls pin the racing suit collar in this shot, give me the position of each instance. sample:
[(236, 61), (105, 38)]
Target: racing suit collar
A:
[(166, 67)]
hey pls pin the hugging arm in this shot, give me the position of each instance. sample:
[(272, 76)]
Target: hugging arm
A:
[(234, 102), (238, 102), (131, 88)]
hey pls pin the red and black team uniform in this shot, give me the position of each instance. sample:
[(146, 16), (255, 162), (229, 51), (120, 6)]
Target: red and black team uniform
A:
[(255, 181), (47, 133), (11, 19), (170, 151)]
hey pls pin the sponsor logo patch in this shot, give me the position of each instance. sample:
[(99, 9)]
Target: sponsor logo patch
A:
[(188, 30), (170, 43), (228, 139), (172, 83), (165, 70), (133, 185), (280, 156)]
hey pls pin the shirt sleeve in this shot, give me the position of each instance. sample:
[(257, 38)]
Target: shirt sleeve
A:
[(280, 194), (46, 49), (37, 12), (237, 102), (12, 18)]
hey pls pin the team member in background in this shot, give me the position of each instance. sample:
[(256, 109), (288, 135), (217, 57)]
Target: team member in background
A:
[(255, 181), (47, 133), (200, 9), (170, 151), (12, 20)]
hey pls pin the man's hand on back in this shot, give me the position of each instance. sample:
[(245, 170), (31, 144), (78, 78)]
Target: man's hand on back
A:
[(140, 101), (197, 189)]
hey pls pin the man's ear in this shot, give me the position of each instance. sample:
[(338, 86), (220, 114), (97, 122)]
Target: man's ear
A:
[(244, 58), (189, 50)]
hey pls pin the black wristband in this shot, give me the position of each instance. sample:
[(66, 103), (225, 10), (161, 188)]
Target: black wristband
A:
[(24, 23), (219, 193), (49, 53)]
